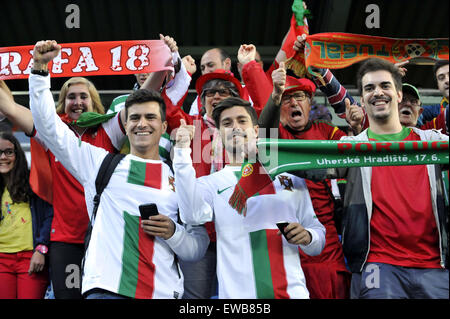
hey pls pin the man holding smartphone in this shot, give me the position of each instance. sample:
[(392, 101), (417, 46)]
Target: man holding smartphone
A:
[(253, 259), (127, 257)]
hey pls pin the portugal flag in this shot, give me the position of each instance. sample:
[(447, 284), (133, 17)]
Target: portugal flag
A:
[(138, 269), (145, 174)]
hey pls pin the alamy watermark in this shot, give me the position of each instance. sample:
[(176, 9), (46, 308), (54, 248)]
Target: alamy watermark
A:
[(73, 19), (373, 19)]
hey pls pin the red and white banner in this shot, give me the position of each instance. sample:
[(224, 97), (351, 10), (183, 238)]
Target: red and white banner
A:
[(91, 58)]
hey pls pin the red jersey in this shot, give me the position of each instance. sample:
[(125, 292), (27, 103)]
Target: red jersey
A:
[(403, 229), (320, 196), (70, 217), (437, 123)]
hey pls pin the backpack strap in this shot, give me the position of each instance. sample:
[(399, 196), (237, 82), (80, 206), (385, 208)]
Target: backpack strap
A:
[(103, 176)]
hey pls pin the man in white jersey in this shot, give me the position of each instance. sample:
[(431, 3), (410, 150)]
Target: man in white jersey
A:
[(127, 257), (253, 259)]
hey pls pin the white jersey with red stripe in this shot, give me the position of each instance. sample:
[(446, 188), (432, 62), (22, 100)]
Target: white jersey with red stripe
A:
[(120, 258), (239, 266)]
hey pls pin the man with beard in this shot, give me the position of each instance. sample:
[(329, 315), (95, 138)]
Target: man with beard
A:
[(208, 156), (242, 271), (288, 109), (395, 230)]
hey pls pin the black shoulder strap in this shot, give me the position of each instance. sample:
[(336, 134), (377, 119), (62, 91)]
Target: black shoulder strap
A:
[(104, 175)]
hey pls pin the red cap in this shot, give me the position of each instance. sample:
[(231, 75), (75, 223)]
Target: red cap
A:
[(303, 84), (218, 74)]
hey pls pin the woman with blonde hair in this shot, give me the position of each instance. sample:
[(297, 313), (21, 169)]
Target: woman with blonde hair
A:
[(97, 105), (66, 250)]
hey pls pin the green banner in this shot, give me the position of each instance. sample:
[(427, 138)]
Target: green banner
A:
[(278, 156)]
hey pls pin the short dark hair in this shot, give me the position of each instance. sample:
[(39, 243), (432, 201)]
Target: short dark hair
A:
[(230, 102), (143, 96), (223, 54), (219, 83), (439, 64), (376, 64)]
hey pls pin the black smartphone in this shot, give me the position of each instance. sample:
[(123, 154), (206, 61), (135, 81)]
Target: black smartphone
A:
[(281, 225), (148, 210)]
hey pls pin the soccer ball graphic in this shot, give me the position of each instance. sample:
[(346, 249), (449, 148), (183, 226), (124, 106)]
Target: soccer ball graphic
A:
[(414, 50)]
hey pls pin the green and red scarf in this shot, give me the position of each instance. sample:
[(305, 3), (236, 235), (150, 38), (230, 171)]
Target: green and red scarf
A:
[(279, 156), (295, 60)]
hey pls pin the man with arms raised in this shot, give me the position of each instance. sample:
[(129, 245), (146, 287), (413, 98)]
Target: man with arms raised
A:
[(127, 257)]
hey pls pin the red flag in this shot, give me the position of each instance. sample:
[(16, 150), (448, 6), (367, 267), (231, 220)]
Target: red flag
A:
[(91, 58), (41, 180), (295, 60)]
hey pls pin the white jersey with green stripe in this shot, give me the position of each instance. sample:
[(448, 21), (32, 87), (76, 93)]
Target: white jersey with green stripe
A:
[(121, 258), (252, 260)]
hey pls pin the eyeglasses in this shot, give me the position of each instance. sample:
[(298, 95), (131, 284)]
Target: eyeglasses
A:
[(299, 97), (212, 92), (9, 152), (413, 101)]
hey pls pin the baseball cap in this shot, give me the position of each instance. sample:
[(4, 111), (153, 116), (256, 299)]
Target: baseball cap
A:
[(411, 89), (303, 84)]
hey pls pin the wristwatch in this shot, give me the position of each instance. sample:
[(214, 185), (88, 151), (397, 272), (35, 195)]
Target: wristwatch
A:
[(39, 72), (42, 249)]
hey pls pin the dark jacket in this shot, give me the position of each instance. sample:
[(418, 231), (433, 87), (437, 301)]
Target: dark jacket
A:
[(358, 208), (41, 218)]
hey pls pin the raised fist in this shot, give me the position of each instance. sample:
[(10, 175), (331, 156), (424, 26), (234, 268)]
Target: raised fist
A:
[(246, 53), (45, 51)]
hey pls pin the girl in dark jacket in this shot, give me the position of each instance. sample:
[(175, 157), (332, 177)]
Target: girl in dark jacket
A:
[(24, 227)]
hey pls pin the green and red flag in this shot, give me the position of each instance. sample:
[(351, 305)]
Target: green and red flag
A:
[(138, 270), (295, 60), (277, 156), (145, 174), (340, 50)]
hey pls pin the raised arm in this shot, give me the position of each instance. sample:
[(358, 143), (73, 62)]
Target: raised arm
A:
[(256, 81), (270, 115), (194, 197), (79, 158), (177, 88), (19, 115), (156, 79)]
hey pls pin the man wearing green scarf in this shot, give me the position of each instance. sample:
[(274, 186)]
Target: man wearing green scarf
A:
[(253, 259)]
